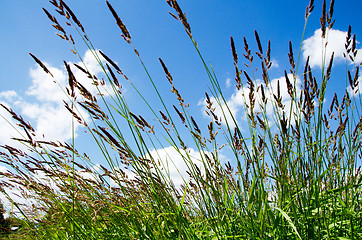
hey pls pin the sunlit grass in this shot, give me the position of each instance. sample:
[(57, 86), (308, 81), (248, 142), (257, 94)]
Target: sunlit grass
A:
[(294, 174)]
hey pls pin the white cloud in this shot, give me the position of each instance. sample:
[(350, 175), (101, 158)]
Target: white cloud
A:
[(16, 194), (55, 122), (47, 112), (275, 63), (221, 110), (175, 163), (8, 127), (358, 90), (48, 119), (26, 200), (43, 106), (240, 99), (43, 87), (314, 47), (92, 65), (9, 95), (228, 82), (93, 174)]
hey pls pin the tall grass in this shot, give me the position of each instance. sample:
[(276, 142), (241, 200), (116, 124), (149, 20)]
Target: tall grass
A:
[(294, 175)]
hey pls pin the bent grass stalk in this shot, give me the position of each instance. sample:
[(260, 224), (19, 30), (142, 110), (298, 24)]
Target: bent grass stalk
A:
[(295, 175)]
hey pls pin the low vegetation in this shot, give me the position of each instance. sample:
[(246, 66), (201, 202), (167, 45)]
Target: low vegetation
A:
[(294, 174)]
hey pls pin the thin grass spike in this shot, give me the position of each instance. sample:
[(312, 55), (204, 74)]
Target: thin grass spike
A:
[(41, 65), (120, 24), (323, 19), (75, 19), (258, 42), (235, 56), (110, 61)]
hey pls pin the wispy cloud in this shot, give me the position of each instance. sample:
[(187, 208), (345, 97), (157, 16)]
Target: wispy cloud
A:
[(228, 82), (275, 63)]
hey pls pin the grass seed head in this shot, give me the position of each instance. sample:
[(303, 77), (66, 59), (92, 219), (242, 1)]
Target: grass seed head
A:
[(323, 19), (120, 24)]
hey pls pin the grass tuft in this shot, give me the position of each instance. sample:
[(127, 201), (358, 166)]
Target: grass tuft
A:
[(292, 174)]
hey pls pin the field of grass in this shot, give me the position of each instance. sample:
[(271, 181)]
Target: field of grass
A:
[(295, 175)]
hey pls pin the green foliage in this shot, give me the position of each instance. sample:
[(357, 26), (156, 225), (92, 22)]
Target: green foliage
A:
[(4, 223), (294, 176)]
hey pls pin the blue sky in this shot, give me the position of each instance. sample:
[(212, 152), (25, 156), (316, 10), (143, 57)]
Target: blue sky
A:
[(25, 28)]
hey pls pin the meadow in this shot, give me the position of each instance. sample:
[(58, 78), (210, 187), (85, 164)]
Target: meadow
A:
[(293, 171)]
